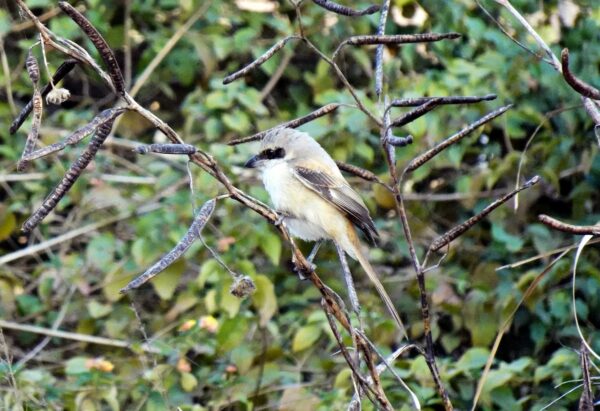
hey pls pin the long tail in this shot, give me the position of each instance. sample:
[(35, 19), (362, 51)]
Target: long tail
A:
[(382, 293)]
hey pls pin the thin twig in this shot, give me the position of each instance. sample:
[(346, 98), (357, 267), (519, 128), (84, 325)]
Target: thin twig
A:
[(90, 339)]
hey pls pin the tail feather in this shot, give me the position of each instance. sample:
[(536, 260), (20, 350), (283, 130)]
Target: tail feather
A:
[(382, 293)]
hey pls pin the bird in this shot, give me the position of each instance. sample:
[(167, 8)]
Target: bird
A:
[(316, 202)]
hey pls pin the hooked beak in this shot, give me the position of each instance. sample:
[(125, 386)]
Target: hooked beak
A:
[(251, 163)]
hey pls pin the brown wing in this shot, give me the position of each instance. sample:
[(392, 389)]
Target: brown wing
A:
[(340, 195)]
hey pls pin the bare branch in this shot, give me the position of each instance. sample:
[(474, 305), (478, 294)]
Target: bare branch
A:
[(576, 84), (457, 231), (569, 228), (429, 154), (101, 45), (345, 11), (260, 60), (399, 141), (290, 124), (186, 241)]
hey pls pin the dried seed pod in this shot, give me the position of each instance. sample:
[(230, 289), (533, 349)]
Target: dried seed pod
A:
[(60, 73), (190, 236), (346, 11), (58, 96), (101, 45), (242, 287), (69, 178), (33, 69), (260, 60), (580, 86), (33, 134), (166, 149)]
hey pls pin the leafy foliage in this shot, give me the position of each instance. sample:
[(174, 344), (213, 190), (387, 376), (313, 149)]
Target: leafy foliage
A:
[(215, 351)]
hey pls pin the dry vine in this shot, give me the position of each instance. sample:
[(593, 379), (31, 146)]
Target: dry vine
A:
[(363, 363)]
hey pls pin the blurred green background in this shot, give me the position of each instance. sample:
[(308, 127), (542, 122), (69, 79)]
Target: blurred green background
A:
[(275, 350)]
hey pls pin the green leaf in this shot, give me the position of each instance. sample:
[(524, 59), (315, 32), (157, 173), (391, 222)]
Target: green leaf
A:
[(231, 333), (76, 365), (100, 251), (98, 310), (165, 282), (271, 245), (188, 382), (242, 357), (473, 358), (305, 337), (264, 298)]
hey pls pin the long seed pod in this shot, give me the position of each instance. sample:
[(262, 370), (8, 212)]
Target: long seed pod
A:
[(415, 113), (385, 7), (70, 178), (166, 149), (345, 11), (417, 101), (32, 136), (373, 39), (82, 132), (569, 228), (101, 45), (429, 154), (260, 60), (60, 73), (399, 141), (190, 236), (580, 86), (33, 69), (457, 231), (290, 124)]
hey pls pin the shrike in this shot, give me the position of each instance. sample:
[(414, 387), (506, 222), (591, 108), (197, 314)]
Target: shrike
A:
[(306, 186)]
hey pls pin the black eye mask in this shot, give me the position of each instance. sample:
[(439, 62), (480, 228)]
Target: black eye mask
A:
[(272, 153)]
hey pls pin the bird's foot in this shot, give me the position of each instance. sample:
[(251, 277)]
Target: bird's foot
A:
[(280, 219)]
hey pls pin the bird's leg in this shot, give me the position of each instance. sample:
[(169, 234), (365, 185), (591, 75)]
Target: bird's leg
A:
[(314, 251), (349, 283), (310, 259)]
